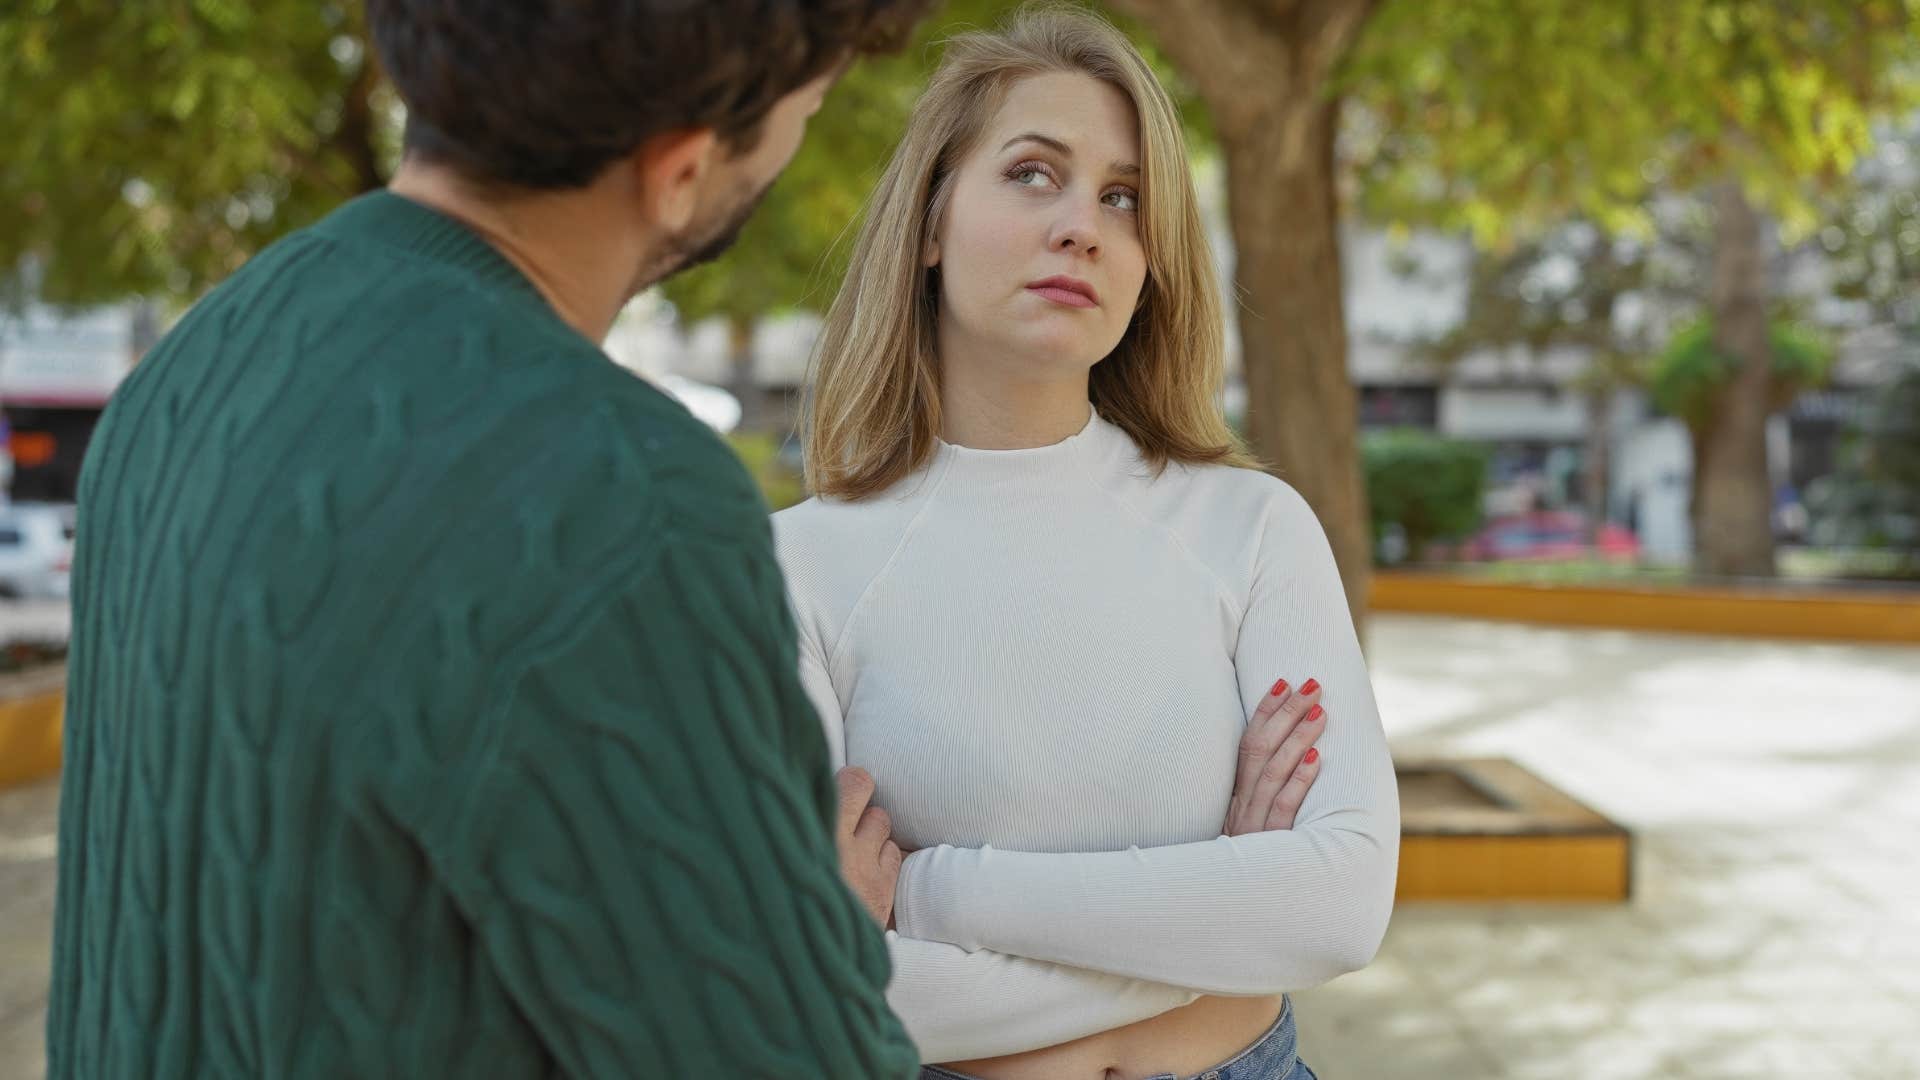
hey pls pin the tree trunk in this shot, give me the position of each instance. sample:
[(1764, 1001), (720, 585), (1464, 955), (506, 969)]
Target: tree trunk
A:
[(355, 136), (1264, 75), (1595, 467), (1732, 493), (1698, 440), (740, 381), (1301, 411), (145, 332)]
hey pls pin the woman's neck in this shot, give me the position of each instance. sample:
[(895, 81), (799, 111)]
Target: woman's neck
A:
[(986, 411)]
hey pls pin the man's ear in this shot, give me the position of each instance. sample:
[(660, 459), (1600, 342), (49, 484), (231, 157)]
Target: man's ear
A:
[(672, 167)]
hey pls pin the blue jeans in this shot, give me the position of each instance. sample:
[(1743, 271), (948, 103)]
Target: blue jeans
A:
[(1275, 1057)]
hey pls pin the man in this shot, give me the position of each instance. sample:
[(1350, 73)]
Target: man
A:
[(432, 705)]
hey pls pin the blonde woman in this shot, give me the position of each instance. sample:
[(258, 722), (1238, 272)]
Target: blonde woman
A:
[(1043, 599)]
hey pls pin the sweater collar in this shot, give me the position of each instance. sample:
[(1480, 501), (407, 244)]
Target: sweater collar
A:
[(395, 221)]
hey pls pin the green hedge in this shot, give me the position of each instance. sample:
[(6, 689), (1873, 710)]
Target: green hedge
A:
[(1428, 485), (760, 453)]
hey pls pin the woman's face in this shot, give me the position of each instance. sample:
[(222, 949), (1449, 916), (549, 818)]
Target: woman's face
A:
[(1039, 256)]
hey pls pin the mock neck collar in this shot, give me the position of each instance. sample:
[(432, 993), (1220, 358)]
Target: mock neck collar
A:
[(1070, 456)]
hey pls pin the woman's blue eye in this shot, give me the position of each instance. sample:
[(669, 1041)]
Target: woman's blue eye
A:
[(1128, 200), (1020, 176)]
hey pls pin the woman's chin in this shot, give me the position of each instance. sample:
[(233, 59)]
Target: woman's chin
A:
[(1066, 350)]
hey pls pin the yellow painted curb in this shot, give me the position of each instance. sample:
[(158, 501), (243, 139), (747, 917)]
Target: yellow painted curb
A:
[(31, 708), (1482, 829), (1818, 615), (1526, 868)]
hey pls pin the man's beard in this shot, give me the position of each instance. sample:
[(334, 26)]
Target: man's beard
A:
[(687, 251)]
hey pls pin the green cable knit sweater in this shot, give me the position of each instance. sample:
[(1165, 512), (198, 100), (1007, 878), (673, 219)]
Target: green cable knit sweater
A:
[(433, 707)]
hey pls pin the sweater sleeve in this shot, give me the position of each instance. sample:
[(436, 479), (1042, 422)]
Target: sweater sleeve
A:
[(959, 1005), (648, 862), (1255, 914)]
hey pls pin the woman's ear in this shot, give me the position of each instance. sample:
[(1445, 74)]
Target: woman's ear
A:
[(930, 253)]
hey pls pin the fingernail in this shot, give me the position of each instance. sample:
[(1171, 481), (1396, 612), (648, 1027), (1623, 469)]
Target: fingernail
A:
[(1314, 713), (1311, 686), (1313, 754), (1278, 689)]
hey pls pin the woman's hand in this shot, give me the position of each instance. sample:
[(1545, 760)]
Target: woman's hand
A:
[(1277, 760), (869, 859)]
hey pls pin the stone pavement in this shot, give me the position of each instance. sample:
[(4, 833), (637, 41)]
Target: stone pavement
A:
[(26, 921), (1774, 791)]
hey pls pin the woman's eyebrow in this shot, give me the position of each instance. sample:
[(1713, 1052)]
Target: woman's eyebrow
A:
[(1119, 168), (1044, 140)]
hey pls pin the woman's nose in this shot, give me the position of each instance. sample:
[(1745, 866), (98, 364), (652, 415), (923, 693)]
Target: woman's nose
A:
[(1077, 232)]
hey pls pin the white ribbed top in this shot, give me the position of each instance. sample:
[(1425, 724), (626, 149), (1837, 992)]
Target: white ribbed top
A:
[(1046, 658)]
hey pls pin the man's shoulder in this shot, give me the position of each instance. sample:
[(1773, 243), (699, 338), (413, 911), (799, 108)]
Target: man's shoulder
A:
[(696, 477), (577, 445)]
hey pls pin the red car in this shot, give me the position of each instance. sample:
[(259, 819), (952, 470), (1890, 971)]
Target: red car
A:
[(1547, 535)]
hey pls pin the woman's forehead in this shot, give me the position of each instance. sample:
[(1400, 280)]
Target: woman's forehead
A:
[(1089, 118)]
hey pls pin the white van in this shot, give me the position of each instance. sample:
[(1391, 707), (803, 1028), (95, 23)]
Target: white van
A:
[(36, 550)]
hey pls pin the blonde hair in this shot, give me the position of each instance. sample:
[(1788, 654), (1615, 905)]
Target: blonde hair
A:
[(875, 411)]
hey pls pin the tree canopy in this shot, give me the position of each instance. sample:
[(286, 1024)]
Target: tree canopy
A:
[(1502, 115), (153, 146)]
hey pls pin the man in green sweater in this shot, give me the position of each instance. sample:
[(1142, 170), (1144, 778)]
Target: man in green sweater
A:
[(433, 707)]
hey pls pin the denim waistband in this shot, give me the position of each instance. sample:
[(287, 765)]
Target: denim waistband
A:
[(1273, 1057)]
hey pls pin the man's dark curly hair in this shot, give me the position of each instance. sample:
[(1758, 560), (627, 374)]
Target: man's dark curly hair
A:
[(546, 94)]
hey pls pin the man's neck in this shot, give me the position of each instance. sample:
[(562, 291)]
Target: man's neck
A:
[(584, 269)]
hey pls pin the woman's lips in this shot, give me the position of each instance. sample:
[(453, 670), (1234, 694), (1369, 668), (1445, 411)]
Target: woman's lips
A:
[(1066, 291), (1063, 296)]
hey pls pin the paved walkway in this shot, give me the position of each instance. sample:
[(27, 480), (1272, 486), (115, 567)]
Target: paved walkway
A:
[(26, 918), (1774, 789)]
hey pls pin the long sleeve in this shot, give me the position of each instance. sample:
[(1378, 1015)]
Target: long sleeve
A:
[(1254, 914), (648, 865), (958, 1004), (961, 1005), (432, 709)]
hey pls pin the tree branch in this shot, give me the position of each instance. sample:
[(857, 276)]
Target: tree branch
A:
[(1233, 50), (354, 138), (1226, 47), (1327, 31)]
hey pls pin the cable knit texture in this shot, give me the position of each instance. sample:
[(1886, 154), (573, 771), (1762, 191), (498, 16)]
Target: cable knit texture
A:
[(1046, 658), (432, 707)]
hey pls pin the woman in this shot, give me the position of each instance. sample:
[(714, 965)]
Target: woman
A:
[(1041, 600)]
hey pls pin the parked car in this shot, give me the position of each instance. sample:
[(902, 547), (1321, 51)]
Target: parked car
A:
[(36, 550), (1549, 534)]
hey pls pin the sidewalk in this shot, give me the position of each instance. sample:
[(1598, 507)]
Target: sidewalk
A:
[(26, 923), (1774, 791)]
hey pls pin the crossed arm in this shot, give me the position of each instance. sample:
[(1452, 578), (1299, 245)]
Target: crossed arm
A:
[(1000, 951)]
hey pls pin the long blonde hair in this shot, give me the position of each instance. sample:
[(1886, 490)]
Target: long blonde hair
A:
[(875, 411)]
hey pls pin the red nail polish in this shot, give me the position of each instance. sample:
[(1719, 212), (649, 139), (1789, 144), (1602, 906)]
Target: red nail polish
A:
[(1313, 754), (1315, 713), (1310, 686), (1278, 689)]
